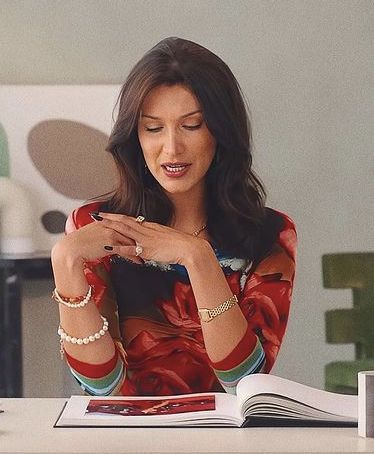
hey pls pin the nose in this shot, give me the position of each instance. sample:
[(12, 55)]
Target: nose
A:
[(172, 144)]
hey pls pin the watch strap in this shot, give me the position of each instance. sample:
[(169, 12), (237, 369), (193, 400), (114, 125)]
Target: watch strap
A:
[(206, 315)]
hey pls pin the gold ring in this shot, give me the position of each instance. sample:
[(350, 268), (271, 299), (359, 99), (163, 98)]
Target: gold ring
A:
[(140, 219), (138, 250)]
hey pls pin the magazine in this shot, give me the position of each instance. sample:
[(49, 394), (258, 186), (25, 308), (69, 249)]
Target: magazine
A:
[(261, 400)]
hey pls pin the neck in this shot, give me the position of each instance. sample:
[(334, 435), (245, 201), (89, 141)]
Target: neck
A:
[(190, 212)]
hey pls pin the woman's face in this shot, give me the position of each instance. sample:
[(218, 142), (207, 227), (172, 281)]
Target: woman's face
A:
[(177, 145)]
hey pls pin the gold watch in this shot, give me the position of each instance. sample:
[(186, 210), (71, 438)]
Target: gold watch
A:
[(206, 315)]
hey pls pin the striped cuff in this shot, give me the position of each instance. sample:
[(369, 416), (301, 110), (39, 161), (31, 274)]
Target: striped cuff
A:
[(229, 371), (239, 353), (92, 370), (97, 379)]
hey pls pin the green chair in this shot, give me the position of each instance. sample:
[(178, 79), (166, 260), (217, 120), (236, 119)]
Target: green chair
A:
[(346, 326)]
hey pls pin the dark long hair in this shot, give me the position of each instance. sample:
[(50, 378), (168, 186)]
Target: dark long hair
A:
[(235, 195)]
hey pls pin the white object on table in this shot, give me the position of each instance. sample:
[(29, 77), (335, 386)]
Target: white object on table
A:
[(366, 404)]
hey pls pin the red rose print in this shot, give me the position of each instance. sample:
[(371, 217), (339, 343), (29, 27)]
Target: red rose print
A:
[(181, 310), (266, 309), (168, 365)]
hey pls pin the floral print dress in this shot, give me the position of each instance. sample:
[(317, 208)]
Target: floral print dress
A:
[(154, 322)]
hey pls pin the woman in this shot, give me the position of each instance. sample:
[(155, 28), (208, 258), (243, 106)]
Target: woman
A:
[(181, 280)]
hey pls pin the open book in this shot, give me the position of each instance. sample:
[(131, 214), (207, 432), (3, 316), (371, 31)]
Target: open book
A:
[(261, 400)]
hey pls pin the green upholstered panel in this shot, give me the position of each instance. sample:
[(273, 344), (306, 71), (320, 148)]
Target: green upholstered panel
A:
[(356, 325), (4, 154), (348, 270), (341, 326), (341, 377), (346, 326)]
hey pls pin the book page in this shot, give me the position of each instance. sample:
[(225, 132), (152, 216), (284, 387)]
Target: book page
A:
[(332, 403), (147, 407), (191, 409)]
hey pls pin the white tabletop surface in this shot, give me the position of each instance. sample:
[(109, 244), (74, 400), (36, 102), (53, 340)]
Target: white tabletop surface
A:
[(26, 426)]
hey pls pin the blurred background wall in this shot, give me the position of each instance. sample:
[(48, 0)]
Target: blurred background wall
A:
[(306, 68)]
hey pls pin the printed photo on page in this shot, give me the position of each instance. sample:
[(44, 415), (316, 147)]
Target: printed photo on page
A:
[(144, 407)]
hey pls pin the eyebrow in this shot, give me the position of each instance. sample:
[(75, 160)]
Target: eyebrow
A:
[(183, 116)]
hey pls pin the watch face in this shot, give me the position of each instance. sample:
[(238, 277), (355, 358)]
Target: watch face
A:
[(204, 315)]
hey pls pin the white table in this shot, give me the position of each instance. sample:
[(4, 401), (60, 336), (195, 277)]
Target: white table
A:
[(26, 426)]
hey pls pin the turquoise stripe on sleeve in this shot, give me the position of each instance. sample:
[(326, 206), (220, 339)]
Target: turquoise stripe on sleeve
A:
[(249, 371), (98, 391), (230, 378), (101, 386), (104, 381), (250, 363)]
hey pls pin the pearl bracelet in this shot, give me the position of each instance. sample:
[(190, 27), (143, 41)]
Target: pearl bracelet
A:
[(67, 302), (83, 340)]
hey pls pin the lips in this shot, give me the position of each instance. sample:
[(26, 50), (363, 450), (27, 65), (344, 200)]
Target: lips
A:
[(175, 169)]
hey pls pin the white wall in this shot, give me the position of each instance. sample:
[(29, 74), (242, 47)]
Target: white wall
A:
[(307, 69), (24, 107)]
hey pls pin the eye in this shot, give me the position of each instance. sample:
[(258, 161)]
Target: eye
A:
[(192, 127), (153, 129), (189, 127)]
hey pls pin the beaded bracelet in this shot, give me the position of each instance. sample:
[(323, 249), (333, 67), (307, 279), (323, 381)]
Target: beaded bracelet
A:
[(69, 302), (83, 340)]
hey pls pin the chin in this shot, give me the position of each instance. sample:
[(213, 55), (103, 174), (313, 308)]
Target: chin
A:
[(176, 187), (172, 189)]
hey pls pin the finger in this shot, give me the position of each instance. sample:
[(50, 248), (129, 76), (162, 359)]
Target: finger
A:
[(118, 232), (121, 228), (112, 238), (118, 239), (128, 220), (110, 251), (112, 216), (128, 252), (119, 218)]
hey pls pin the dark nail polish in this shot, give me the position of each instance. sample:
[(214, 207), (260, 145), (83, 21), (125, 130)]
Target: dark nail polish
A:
[(108, 248), (96, 216)]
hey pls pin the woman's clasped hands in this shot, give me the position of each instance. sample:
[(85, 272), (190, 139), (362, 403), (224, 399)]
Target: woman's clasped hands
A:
[(138, 240)]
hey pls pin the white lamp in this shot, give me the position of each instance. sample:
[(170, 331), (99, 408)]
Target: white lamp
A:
[(16, 218)]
